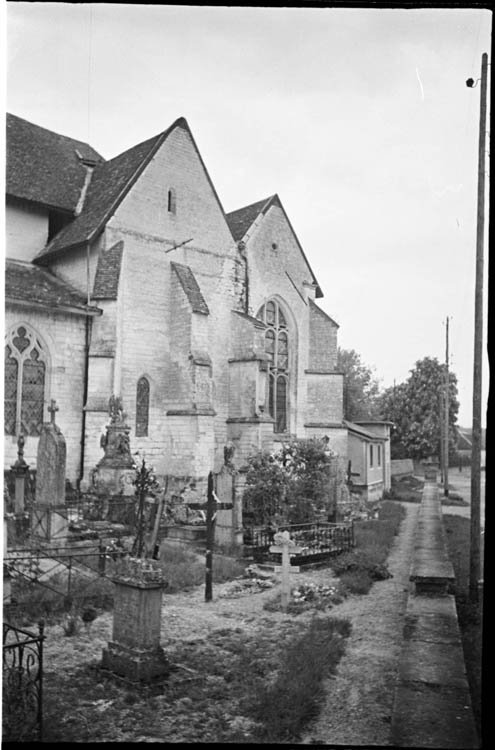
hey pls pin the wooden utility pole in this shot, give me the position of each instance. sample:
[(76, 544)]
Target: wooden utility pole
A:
[(474, 561), (210, 538), (446, 416)]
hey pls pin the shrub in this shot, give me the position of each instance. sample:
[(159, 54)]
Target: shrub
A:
[(367, 562), (288, 703), (292, 485), (185, 568)]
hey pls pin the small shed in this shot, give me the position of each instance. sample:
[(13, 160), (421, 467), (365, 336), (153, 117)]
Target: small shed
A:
[(368, 451)]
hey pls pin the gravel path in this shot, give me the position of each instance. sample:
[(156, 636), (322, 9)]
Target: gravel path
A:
[(359, 700)]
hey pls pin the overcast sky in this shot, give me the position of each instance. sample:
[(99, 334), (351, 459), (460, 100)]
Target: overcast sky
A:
[(359, 119)]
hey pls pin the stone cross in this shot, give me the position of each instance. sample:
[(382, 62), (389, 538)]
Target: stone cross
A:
[(19, 470), (52, 409), (285, 545)]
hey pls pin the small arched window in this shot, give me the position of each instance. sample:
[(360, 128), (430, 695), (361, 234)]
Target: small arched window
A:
[(277, 346), (142, 407), (24, 393), (171, 202)]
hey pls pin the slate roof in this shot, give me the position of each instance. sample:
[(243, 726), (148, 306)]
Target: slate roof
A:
[(107, 275), (110, 182), (240, 220), (353, 427), (25, 282), (43, 167), (191, 288)]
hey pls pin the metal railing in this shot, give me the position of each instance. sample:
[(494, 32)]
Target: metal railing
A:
[(22, 684), (319, 540)]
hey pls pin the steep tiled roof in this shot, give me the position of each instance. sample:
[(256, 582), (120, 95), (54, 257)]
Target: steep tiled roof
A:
[(191, 288), (27, 283), (108, 272), (43, 166), (239, 221), (110, 183)]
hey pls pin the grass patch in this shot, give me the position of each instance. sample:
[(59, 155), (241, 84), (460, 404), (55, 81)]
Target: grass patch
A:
[(284, 707), (31, 601), (365, 564), (469, 614), (406, 489), (185, 568)]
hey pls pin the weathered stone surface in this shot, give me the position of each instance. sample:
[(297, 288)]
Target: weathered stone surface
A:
[(50, 466)]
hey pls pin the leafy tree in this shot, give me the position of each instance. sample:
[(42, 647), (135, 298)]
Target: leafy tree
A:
[(360, 386), (414, 407), (291, 485)]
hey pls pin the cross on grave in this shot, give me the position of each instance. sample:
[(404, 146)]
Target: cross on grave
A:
[(287, 546), (52, 409)]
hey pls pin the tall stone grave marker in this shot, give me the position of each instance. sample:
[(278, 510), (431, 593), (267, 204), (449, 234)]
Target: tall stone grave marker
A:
[(49, 520), (114, 472), (228, 521)]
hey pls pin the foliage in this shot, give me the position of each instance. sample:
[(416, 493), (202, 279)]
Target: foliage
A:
[(287, 704), (292, 485), (367, 562), (406, 489), (414, 408), (184, 568), (360, 386)]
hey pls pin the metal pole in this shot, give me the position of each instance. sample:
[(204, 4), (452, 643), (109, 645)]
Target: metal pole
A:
[(474, 562), (446, 404)]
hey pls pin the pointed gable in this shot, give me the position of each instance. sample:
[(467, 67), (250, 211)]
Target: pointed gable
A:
[(110, 183), (241, 220)]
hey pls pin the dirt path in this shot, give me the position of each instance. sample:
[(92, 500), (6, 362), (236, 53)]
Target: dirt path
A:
[(359, 699)]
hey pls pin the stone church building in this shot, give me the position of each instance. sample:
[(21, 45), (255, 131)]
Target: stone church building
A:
[(126, 277)]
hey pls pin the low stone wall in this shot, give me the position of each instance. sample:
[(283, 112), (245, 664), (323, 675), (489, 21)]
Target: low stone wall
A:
[(401, 467), (432, 704)]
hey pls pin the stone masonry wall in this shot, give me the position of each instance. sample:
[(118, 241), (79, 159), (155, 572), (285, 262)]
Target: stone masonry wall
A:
[(63, 335)]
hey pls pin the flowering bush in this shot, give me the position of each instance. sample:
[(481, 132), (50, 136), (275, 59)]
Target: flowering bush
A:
[(293, 485)]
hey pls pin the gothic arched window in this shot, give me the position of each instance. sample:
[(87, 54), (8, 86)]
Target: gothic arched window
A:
[(142, 407), (24, 394), (277, 347)]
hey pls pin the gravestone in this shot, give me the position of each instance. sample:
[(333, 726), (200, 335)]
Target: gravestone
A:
[(49, 519), (134, 651), (114, 473), (228, 521), (286, 546)]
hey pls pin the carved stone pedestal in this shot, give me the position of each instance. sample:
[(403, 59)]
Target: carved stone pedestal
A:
[(134, 651)]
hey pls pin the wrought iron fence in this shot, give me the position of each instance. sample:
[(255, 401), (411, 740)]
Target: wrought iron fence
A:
[(319, 541), (22, 684)]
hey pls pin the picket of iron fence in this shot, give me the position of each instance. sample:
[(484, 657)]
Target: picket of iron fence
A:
[(319, 541), (22, 678)]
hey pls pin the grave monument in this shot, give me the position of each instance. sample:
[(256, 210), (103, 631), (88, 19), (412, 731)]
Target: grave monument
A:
[(114, 473), (49, 519)]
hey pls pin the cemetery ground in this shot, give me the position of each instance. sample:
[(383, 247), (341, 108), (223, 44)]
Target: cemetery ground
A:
[(244, 669)]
